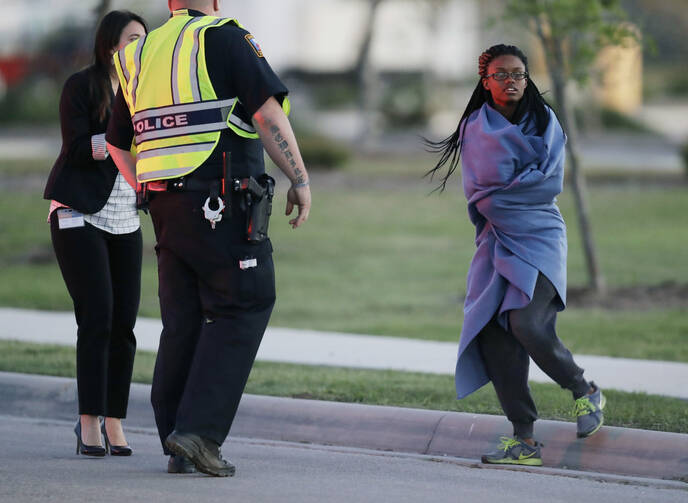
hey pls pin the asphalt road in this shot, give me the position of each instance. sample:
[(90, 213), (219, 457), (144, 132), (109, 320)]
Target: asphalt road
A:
[(38, 463)]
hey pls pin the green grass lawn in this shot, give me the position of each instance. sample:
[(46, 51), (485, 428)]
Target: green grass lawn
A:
[(380, 255), (402, 389)]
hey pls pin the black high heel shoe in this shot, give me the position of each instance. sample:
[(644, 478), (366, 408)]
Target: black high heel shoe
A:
[(114, 450), (82, 448)]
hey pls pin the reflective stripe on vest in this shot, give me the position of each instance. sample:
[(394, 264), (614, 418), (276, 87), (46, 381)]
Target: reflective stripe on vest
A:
[(128, 62), (177, 116), (177, 120)]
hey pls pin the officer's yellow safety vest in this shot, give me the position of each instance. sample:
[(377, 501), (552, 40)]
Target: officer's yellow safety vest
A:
[(176, 114)]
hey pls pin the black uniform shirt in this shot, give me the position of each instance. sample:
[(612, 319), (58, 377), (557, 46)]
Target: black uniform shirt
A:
[(237, 69)]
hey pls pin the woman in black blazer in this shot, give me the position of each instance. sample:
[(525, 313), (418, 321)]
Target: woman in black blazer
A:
[(97, 240)]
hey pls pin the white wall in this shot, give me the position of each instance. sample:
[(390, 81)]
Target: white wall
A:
[(325, 34)]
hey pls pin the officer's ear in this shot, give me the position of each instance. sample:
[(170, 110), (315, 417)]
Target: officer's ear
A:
[(216, 6)]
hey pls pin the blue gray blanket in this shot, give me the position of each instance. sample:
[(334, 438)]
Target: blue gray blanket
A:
[(511, 178)]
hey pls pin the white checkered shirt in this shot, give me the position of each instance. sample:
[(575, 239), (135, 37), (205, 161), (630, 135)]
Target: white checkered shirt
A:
[(119, 215)]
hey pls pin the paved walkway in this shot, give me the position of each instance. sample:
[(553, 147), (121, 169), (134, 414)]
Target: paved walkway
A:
[(362, 351)]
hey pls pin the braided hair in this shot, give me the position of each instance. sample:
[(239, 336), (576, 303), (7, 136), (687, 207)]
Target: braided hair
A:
[(450, 148)]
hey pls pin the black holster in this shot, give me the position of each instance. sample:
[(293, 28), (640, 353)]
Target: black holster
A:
[(142, 197), (256, 199)]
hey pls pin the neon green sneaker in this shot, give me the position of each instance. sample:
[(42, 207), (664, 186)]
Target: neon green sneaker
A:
[(512, 451), (588, 412)]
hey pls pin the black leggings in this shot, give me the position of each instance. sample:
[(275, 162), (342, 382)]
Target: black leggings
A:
[(507, 354), (102, 272)]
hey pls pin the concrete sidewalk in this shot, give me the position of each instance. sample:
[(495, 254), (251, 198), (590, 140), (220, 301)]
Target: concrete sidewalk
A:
[(362, 351), (613, 454)]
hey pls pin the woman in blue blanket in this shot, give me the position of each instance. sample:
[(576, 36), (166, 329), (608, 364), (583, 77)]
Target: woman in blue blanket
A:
[(511, 147)]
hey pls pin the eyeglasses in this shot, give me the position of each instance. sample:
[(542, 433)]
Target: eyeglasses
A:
[(506, 75)]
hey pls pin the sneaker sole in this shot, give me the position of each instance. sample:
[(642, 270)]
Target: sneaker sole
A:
[(524, 462), (192, 453)]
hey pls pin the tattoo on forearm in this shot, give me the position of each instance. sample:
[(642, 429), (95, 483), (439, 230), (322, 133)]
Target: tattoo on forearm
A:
[(284, 148), (299, 176)]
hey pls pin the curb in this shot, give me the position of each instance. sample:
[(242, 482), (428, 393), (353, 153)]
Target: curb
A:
[(314, 347), (613, 450)]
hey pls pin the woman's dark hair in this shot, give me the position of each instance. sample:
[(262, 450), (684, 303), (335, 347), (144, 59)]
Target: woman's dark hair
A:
[(450, 148), (107, 38)]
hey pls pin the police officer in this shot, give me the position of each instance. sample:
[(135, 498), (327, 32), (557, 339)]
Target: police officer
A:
[(200, 102)]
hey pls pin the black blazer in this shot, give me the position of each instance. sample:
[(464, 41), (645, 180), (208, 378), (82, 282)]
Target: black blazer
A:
[(77, 180)]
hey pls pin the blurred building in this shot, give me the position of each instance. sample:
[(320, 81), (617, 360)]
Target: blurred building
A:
[(311, 35), (434, 41), (620, 85), (325, 35), (23, 25)]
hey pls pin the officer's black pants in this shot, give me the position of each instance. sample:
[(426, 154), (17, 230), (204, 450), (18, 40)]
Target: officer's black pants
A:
[(214, 315), (102, 272), (506, 356)]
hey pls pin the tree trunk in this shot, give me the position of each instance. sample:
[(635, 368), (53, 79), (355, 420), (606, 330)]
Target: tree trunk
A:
[(101, 9), (595, 278), (366, 77)]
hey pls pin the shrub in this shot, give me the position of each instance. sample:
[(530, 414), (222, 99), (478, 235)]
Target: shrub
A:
[(404, 102), (33, 102), (320, 152), (684, 156), (612, 119)]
